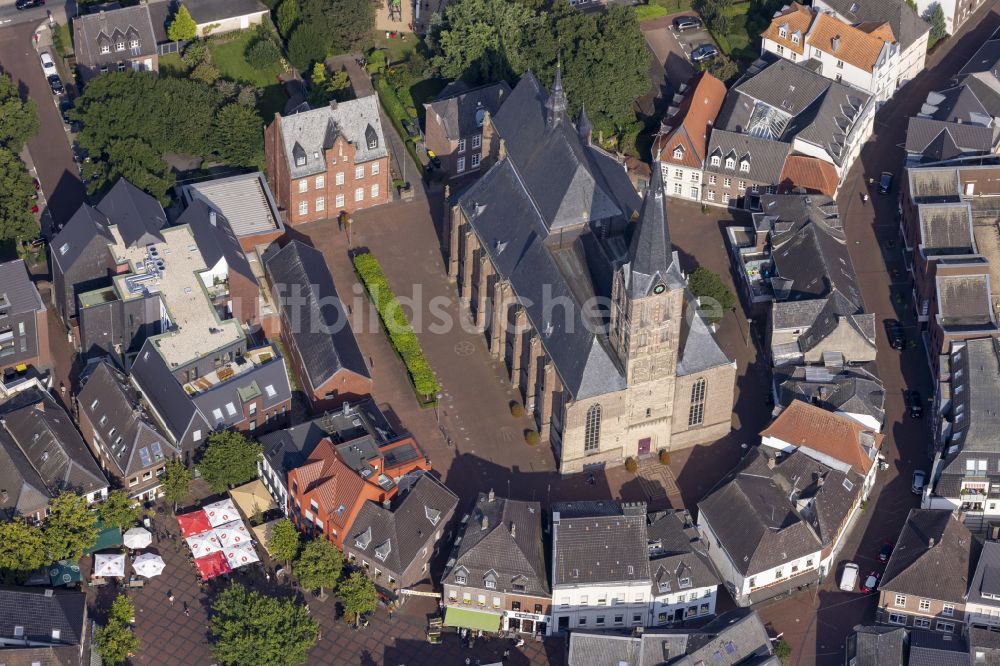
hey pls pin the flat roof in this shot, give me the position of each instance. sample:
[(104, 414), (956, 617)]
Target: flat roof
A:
[(245, 201), (181, 284)]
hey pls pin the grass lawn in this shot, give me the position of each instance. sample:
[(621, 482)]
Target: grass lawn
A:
[(228, 57), (649, 12), (171, 65), (672, 6), (396, 49)]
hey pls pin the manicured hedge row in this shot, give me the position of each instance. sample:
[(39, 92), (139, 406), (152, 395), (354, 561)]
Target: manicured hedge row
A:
[(401, 334)]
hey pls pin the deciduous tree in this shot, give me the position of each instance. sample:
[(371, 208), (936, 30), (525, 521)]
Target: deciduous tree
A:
[(182, 27), (283, 542), (119, 510), (22, 548), (250, 628), (319, 566), (939, 26), (115, 640), (287, 17), (713, 293), (229, 460), (346, 25), (306, 46), (239, 136), (358, 595), (18, 118), (16, 189), (70, 528), (176, 482)]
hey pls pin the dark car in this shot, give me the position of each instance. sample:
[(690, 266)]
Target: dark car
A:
[(871, 582), (682, 23), (704, 52), (885, 552), (914, 404), (894, 331), (56, 84), (64, 107), (28, 4), (885, 183)]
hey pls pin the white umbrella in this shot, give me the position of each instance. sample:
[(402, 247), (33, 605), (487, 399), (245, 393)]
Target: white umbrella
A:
[(138, 537), (109, 565), (232, 533), (241, 555), (221, 512), (203, 544), (148, 565)]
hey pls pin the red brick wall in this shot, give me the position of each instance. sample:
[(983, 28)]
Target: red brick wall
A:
[(343, 152), (44, 358), (345, 385), (277, 163), (245, 296)]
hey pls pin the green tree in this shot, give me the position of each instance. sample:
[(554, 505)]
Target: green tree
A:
[(22, 548), (239, 136), (912, 4), (250, 628), (783, 651), (176, 482), (346, 26), (206, 73), (306, 46), (229, 460), (262, 53), (939, 27), (137, 162), (283, 542), (721, 67), (119, 510), (287, 17), (16, 220), (182, 27), (714, 295), (70, 528), (196, 52), (115, 640), (319, 566), (484, 40), (358, 595), (18, 118)]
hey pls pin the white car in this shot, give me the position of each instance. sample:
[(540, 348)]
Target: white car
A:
[(48, 65), (849, 578)]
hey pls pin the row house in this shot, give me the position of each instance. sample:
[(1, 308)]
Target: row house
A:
[(866, 56), (115, 39), (680, 148), (24, 328), (328, 160), (453, 124)]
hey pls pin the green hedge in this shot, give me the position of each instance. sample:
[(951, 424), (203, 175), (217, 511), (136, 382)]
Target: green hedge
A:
[(401, 334), (397, 113)]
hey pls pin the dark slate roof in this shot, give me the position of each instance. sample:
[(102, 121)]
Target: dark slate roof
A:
[(960, 104), (676, 551), (320, 327), (700, 351), (86, 228), (591, 550), (215, 238), (767, 158), (488, 545), (459, 110), (18, 294), (987, 91), (907, 26), (984, 646), (106, 27), (138, 216), (924, 137), (38, 615), (985, 586), (263, 381), (880, 646), (46, 435), (976, 369), (915, 566), (396, 537), (985, 60), (930, 648), (111, 404), (159, 15), (311, 132), (210, 11), (26, 492), (163, 392), (756, 523), (851, 390), (651, 255)]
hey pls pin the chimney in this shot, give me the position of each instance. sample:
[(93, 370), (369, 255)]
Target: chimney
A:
[(485, 522), (213, 218), (930, 542), (347, 408), (513, 529), (770, 463), (835, 43), (48, 592), (491, 496), (502, 151), (333, 105)]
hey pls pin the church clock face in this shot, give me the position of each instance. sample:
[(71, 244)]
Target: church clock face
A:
[(658, 289)]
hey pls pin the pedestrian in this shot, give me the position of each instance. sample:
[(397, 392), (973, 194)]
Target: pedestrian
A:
[(187, 611), (170, 598), (371, 362), (267, 575), (62, 388)]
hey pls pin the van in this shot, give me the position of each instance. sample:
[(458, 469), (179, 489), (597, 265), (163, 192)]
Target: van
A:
[(849, 578)]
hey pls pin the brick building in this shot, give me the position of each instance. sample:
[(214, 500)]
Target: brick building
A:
[(327, 160), (453, 128)]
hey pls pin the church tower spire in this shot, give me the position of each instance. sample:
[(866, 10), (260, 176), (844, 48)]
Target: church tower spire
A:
[(556, 104)]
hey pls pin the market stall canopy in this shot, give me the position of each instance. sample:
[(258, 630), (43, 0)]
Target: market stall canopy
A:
[(262, 533), (107, 537), (64, 572), (109, 566), (193, 523), (241, 555), (138, 537), (203, 544), (232, 534), (212, 565), (470, 619), (221, 512), (252, 498), (148, 565)]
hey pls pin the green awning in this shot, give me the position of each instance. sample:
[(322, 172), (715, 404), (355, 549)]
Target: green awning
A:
[(470, 619), (110, 537), (64, 572)]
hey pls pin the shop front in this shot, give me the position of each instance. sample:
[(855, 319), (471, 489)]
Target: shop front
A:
[(525, 623), (475, 620)]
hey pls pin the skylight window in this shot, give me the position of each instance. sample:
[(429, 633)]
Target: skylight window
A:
[(217, 413), (269, 390), (231, 409)]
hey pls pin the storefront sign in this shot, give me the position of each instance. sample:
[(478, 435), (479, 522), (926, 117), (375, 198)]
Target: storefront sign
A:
[(527, 616)]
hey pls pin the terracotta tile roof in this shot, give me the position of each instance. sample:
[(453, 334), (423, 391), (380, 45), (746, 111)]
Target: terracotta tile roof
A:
[(848, 43), (840, 437), (796, 19), (882, 31), (811, 174), (693, 120)]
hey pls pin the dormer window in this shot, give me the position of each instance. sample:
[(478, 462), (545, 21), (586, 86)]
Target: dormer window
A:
[(134, 44), (460, 578), (730, 163), (783, 32), (716, 160), (491, 584), (300, 160), (371, 137), (745, 166), (678, 153), (796, 38), (119, 46), (684, 583)]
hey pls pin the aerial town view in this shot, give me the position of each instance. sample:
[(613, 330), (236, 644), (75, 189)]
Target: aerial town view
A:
[(499, 332)]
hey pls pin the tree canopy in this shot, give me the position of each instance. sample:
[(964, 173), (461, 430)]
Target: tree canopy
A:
[(346, 25), (182, 27), (319, 566), (358, 595), (251, 628), (306, 46), (16, 220), (230, 459), (70, 528), (115, 640), (715, 296), (22, 550), (283, 542), (18, 118), (175, 482), (939, 27), (287, 16), (119, 510), (238, 129)]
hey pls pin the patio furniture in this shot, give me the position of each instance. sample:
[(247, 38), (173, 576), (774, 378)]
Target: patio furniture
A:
[(136, 582)]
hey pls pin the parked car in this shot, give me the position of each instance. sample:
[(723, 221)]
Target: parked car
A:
[(683, 23), (704, 52), (56, 84), (885, 551), (28, 4), (914, 404), (64, 107), (885, 183), (849, 578), (894, 331), (919, 481), (48, 64), (871, 583)]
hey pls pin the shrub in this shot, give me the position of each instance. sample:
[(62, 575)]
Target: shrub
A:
[(306, 46), (631, 464), (516, 410), (531, 437), (196, 52), (262, 53), (288, 16), (401, 334), (206, 72), (664, 457)]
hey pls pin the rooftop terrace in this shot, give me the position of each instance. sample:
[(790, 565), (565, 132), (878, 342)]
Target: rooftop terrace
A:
[(253, 358)]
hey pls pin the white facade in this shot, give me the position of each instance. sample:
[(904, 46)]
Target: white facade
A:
[(231, 24), (681, 182), (601, 606), (684, 605), (276, 485)]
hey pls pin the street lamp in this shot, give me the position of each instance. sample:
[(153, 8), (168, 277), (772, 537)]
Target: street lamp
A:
[(749, 330)]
